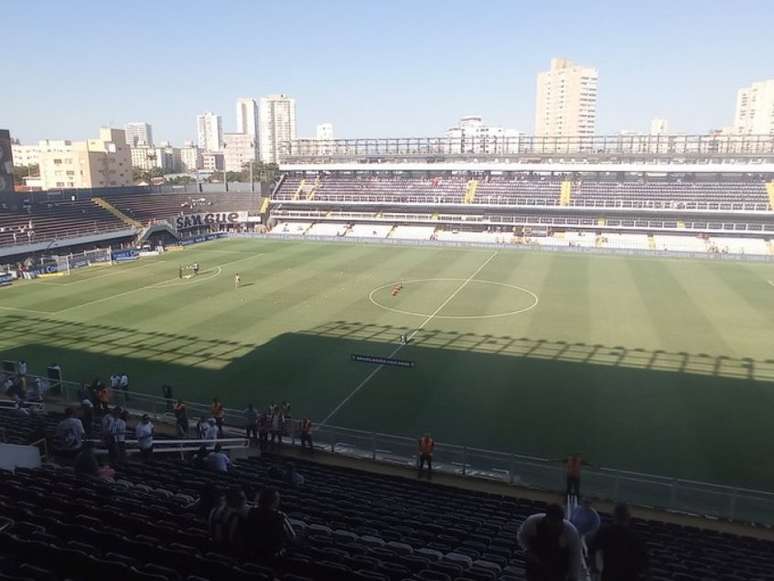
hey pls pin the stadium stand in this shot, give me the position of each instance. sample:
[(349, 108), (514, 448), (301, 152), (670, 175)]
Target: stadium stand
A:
[(352, 524), (55, 220), (146, 207)]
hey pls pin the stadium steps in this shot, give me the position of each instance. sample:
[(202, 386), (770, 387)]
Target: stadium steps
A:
[(103, 203), (470, 193), (681, 224), (771, 247), (435, 216), (565, 193), (601, 221), (651, 242), (770, 191), (299, 190), (264, 205), (310, 195), (389, 234)]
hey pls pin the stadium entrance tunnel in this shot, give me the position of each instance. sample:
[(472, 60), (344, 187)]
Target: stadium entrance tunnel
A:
[(628, 408)]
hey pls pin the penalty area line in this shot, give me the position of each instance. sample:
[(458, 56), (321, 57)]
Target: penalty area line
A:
[(397, 349)]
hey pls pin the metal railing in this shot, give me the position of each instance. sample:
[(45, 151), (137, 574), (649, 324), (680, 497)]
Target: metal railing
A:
[(659, 492)]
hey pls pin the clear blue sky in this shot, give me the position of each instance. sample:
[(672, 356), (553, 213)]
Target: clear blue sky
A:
[(372, 67)]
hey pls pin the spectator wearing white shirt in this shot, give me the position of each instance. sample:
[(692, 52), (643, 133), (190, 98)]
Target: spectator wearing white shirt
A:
[(552, 545), (144, 434), (118, 436), (69, 435), (22, 367), (114, 380), (211, 430), (124, 383)]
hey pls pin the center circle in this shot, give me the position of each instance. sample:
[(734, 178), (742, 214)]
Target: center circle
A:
[(524, 299)]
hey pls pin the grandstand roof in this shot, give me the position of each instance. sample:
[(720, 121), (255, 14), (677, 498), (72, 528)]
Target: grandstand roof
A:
[(494, 166)]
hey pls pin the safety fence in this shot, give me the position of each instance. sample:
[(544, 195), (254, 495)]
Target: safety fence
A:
[(513, 247), (648, 490)]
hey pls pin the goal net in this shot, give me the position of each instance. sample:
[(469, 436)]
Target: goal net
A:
[(188, 270)]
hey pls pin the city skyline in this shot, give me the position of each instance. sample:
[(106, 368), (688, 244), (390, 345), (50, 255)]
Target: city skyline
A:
[(653, 61)]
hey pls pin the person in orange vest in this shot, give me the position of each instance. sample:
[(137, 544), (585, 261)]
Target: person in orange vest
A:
[(425, 452), (306, 433), (574, 463), (218, 412)]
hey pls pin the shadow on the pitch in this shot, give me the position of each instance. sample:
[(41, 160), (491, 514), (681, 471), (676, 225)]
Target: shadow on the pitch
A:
[(681, 414)]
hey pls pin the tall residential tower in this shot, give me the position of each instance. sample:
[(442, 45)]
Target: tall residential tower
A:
[(277, 124), (566, 104)]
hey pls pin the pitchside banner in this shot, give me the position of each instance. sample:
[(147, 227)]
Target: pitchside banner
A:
[(125, 255), (6, 279), (205, 238), (213, 218)]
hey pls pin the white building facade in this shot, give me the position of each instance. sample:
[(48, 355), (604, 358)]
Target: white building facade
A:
[(755, 109), (277, 123), (238, 150), (247, 117), (139, 133), (473, 136), (25, 154), (209, 132), (566, 102), (324, 132), (190, 158)]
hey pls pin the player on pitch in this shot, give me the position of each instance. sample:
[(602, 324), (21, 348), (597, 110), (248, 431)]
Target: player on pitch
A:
[(236, 280)]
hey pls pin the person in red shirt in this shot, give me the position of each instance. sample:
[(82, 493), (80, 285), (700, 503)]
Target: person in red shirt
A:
[(306, 433), (425, 447), (574, 463), (218, 412)]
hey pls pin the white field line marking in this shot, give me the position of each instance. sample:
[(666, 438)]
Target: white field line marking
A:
[(146, 287), (429, 318), (771, 282)]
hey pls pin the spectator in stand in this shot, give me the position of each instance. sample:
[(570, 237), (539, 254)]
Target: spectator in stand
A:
[(118, 437), (181, 419), (218, 460), (574, 463), (211, 431), (425, 455), (124, 382), (552, 545), (107, 426), (69, 435), (201, 427), (166, 391), (22, 367), (226, 521), (264, 424), (103, 397), (306, 433), (276, 426), (87, 416), (586, 520), (251, 424), (267, 530), (624, 554), (219, 413), (35, 393), (115, 381), (144, 434)]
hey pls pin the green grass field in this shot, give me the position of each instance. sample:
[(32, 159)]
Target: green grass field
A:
[(654, 365)]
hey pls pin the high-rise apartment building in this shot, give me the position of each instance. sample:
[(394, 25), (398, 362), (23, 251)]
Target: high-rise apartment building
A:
[(755, 109), (209, 131), (138, 133), (25, 154), (190, 157), (566, 104), (277, 114), (96, 163), (247, 117)]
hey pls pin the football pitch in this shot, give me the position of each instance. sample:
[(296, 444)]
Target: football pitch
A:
[(654, 365)]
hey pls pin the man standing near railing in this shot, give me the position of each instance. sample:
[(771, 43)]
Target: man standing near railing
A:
[(425, 455), (181, 419), (219, 413), (251, 424), (144, 434), (306, 433)]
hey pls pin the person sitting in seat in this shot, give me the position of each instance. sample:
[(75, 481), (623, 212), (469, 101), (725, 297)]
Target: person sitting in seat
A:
[(267, 531), (624, 554), (226, 521)]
